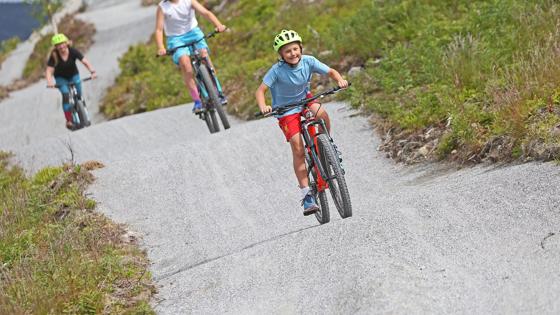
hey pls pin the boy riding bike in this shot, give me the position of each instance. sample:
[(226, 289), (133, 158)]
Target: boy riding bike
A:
[(62, 65), (288, 81), (177, 19)]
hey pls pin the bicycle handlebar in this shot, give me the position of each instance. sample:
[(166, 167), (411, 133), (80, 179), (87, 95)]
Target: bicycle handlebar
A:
[(72, 83), (281, 109), (172, 51)]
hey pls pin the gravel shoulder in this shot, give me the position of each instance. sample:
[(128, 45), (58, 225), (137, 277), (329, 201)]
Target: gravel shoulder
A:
[(220, 217)]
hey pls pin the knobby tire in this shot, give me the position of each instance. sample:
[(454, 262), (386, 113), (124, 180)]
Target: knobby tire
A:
[(215, 104), (337, 182), (213, 93), (208, 121), (82, 113)]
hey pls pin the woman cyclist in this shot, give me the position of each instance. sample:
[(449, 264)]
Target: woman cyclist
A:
[(177, 19), (62, 65), (288, 81)]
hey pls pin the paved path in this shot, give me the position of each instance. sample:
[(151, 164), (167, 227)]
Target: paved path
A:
[(222, 223)]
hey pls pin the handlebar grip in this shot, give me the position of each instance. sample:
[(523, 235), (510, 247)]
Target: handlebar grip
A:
[(259, 114)]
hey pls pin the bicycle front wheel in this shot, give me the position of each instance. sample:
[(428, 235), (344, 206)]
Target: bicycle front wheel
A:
[(82, 113), (335, 176), (209, 122), (213, 96)]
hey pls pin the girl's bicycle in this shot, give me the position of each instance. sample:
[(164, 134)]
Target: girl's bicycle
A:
[(322, 159), (78, 108), (206, 82)]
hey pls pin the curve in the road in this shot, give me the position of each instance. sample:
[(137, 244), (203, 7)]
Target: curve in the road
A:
[(223, 226)]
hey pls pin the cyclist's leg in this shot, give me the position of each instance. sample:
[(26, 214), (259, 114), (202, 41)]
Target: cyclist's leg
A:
[(181, 58), (63, 88), (188, 75), (78, 83), (188, 78), (321, 113), (298, 159), (291, 126)]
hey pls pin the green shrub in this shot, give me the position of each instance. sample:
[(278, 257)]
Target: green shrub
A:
[(59, 257)]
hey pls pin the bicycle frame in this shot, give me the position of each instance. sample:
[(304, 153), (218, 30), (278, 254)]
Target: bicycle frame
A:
[(311, 127)]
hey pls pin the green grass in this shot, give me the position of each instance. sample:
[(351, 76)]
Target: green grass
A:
[(57, 255), (6, 47), (476, 70)]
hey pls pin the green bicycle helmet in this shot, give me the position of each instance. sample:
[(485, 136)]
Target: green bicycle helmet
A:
[(58, 39), (286, 37)]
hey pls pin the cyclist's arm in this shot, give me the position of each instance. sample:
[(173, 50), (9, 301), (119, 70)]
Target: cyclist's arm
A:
[(49, 76), (88, 66), (159, 31), (333, 74), (208, 15), (261, 100)]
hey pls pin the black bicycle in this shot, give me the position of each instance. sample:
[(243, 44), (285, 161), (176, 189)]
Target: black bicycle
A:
[(206, 83), (78, 108), (322, 159)]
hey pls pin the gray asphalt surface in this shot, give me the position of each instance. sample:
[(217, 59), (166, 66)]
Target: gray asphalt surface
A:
[(222, 223)]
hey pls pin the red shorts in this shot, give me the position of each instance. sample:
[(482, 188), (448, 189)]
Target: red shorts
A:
[(290, 125)]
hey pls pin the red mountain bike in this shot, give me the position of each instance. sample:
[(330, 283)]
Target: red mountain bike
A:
[(322, 159)]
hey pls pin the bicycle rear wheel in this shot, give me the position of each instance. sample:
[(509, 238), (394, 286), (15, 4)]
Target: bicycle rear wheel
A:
[(335, 176), (213, 97)]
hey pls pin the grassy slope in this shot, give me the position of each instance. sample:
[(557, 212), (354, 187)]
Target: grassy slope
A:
[(464, 80), (57, 255), (6, 47)]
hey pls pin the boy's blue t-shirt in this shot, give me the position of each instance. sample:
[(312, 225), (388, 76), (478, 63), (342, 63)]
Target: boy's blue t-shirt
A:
[(290, 84)]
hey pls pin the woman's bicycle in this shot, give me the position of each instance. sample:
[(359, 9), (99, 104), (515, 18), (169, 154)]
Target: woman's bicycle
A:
[(206, 82), (78, 108), (322, 159)]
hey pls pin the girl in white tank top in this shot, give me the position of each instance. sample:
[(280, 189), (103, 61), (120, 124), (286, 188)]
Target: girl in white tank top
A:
[(177, 19)]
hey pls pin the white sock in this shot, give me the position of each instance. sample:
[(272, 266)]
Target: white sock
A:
[(304, 191)]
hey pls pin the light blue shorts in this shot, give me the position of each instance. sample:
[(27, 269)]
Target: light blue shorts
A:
[(189, 37)]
